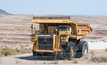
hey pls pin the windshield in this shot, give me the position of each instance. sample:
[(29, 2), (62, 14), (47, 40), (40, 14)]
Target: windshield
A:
[(63, 28)]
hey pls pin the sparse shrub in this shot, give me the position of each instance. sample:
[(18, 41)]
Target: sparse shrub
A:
[(28, 43), (23, 45), (0, 51), (14, 52), (5, 46), (83, 59), (18, 62), (56, 62), (8, 51), (17, 50), (75, 61), (70, 59), (99, 59), (0, 54), (66, 60), (106, 49), (92, 52), (88, 61), (25, 50)]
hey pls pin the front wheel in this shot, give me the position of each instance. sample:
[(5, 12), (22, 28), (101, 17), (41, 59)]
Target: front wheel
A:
[(35, 54), (70, 51)]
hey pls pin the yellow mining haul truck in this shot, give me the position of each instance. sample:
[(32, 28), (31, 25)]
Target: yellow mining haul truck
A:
[(59, 35)]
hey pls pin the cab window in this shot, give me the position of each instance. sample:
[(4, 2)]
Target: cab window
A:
[(63, 28)]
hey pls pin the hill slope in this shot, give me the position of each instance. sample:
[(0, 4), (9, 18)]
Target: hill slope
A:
[(16, 29), (4, 12)]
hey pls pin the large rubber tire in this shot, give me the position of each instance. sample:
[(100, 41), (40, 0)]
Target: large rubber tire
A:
[(35, 54), (70, 51), (83, 48)]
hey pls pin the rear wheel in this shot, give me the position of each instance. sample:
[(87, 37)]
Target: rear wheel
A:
[(83, 48), (70, 50)]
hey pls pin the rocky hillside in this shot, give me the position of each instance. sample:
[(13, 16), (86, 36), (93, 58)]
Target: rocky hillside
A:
[(16, 28), (4, 12)]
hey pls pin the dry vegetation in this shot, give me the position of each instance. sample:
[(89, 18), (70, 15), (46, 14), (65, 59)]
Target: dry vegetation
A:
[(106, 49), (75, 61), (98, 56), (99, 59), (56, 62), (18, 62), (7, 51), (24, 50), (92, 57), (0, 51)]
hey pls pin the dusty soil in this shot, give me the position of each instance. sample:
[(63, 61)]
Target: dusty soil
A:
[(29, 59), (93, 57)]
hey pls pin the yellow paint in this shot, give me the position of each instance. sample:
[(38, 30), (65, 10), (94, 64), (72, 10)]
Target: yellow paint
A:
[(49, 24), (50, 21), (57, 42), (53, 42), (35, 46), (44, 51), (58, 50)]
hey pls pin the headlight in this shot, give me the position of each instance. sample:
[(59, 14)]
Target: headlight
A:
[(33, 37), (63, 37)]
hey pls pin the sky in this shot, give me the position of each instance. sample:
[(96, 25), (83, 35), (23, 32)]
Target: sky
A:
[(55, 7)]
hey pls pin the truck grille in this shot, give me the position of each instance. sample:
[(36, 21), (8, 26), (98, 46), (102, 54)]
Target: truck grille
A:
[(45, 43)]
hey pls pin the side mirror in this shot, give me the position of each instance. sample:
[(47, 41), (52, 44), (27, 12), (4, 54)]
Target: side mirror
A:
[(32, 28)]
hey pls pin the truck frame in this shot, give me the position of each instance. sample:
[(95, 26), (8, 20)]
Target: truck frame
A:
[(59, 35)]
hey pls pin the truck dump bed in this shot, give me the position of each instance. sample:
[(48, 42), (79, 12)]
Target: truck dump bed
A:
[(78, 30)]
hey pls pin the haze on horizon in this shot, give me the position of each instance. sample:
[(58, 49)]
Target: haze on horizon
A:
[(56, 7)]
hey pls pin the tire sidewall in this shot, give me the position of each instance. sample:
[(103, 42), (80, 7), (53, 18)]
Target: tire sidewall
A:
[(85, 43), (69, 45)]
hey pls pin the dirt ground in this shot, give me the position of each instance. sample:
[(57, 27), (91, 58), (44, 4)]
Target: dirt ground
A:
[(93, 57)]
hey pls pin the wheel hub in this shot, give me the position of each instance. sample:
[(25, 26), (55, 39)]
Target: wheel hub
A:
[(72, 50), (85, 50)]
